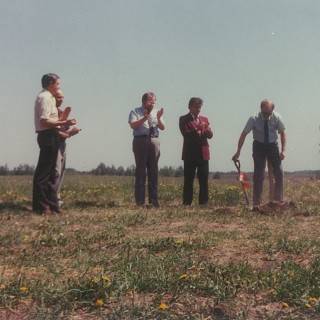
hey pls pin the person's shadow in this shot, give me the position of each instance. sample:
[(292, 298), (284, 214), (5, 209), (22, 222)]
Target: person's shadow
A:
[(16, 207)]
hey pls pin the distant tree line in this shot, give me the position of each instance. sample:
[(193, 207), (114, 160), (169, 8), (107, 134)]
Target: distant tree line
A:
[(20, 170), (102, 169), (166, 171)]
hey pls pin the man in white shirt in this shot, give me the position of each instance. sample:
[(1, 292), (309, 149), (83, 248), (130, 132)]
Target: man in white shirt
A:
[(47, 121)]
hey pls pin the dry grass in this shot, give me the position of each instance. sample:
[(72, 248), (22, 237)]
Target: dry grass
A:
[(105, 259)]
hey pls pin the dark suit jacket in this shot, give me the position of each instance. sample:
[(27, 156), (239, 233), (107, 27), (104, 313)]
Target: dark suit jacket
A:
[(195, 139)]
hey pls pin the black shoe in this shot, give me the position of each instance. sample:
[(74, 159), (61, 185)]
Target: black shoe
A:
[(261, 210), (41, 211), (45, 212), (203, 205), (56, 212), (140, 205)]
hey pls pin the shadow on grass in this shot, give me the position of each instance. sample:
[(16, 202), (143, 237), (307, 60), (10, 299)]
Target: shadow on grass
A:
[(93, 204), (15, 206), (18, 207)]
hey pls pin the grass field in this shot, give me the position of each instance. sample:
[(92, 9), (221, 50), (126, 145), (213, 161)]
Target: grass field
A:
[(106, 259)]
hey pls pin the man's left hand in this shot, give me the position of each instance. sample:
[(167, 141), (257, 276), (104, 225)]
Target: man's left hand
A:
[(204, 126), (159, 113), (71, 122), (282, 155)]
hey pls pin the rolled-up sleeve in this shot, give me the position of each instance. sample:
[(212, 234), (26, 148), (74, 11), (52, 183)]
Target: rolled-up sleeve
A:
[(132, 117), (249, 125), (281, 126)]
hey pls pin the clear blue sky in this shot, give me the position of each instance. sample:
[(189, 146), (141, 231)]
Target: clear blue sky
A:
[(232, 53)]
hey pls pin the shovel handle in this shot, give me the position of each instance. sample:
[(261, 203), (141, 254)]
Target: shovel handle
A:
[(237, 164)]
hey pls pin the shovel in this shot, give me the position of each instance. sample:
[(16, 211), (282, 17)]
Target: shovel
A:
[(242, 178)]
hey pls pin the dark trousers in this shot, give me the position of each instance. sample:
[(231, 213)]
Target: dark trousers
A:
[(44, 191), (190, 168), (146, 153), (262, 152)]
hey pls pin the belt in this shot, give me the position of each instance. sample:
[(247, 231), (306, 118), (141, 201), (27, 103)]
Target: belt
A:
[(46, 131), (262, 144), (139, 137), (142, 136)]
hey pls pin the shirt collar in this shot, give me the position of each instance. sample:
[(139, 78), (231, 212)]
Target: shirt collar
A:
[(194, 117), (263, 118), (143, 108)]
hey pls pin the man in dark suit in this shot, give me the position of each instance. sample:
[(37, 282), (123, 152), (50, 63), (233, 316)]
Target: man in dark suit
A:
[(196, 131)]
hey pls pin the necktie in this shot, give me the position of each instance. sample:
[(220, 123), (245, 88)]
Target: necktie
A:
[(266, 131), (153, 133), (149, 119)]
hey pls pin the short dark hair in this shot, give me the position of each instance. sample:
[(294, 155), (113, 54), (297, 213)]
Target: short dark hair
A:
[(48, 79), (195, 100), (146, 95)]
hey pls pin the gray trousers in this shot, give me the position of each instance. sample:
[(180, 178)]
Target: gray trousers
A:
[(146, 153), (261, 153), (60, 167)]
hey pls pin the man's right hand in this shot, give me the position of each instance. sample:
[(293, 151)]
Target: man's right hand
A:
[(236, 156), (71, 122), (146, 113)]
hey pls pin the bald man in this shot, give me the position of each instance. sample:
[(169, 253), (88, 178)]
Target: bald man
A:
[(266, 126), (64, 132)]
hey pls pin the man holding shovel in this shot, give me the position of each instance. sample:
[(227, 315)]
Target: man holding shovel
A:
[(266, 126)]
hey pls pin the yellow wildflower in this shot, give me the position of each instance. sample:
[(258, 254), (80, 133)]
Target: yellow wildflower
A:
[(183, 277), (163, 306), (285, 305), (105, 278), (99, 303), (312, 300), (24, 289)]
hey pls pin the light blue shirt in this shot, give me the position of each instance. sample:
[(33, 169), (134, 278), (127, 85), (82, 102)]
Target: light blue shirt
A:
[(256, 125), (137, 114)]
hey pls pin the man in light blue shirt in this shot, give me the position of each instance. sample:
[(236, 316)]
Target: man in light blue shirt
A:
[(265, 126), (146, 121), (150, 121), (256, 124)]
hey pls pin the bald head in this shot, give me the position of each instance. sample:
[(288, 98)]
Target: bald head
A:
[(59, 98), (267, 107)]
